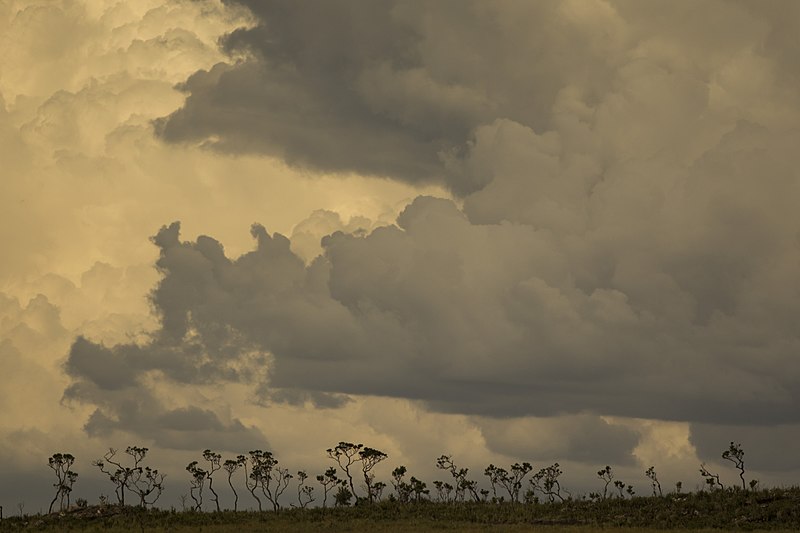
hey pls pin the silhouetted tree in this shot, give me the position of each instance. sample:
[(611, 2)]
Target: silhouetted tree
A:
[(146, 482), (735, 454), (463, 485), (443, 491), (61, 463), (512, 481), (304, 492), (138, 479), (252, 479), (328, 480), (343, 495), (267, 475), (651, 475), (345, 454), (419, 489), (494, 474), (214, 465), (401, 488), (369, 458), (546, 482), (231, 466), (607, 476), (712, 480), (196, 484)]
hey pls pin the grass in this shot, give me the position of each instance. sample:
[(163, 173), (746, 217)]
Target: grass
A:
[(766, 510), (398, 527)]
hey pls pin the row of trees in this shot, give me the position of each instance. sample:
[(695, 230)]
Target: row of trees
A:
[(267, 481)]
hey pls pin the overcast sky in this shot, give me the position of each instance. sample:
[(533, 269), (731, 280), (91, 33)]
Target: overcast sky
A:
[(507, 231)]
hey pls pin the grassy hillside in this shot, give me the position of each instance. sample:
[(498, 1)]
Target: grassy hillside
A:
[(773, 509)]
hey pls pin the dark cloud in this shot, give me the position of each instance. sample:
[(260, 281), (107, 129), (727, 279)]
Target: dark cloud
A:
[(399, 88), (767, 448), (295, 96), (298, 397), (386, 88), (139, 412), (626, 240), (106, 368), (582, 438), (480, 319), (115, 380)]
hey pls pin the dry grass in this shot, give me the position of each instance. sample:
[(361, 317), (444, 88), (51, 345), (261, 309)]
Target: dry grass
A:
[(393, 526)]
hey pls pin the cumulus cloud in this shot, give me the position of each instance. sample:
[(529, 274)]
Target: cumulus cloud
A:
[(481, 319), (582, 438), (627, 240), (623, 239), (391, 88), (396, 89), (296, 95)]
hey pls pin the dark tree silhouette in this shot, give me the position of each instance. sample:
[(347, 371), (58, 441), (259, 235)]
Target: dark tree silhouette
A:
[(231, 466), (61, 463), (138, 479), (463, 485), (607, 476), (328, 480), (345, 454), (252, 479), (268, 476), (735, 454), (512, 481), (712, 480), (305, 493), (196, 484), (651, 475), (370, 457), (214, 465), (546, 482)]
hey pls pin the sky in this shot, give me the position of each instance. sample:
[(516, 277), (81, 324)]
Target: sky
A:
[(506, 231)]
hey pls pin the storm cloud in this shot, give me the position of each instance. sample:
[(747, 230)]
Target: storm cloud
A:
[(390, 88), (490, 319), (545, 231), (628, 240)]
